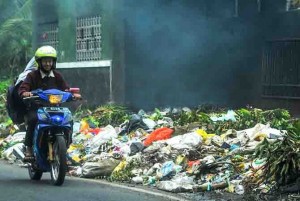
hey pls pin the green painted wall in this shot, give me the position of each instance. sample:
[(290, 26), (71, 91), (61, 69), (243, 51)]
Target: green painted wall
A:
[(65, 13), (107, 29), (67, 31)]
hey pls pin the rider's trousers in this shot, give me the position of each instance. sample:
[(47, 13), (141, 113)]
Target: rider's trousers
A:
[(31, 120)]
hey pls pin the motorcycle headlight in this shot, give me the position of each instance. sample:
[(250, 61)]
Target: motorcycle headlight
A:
[(55, 99)]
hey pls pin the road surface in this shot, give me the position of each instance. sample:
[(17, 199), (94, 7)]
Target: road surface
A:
[(15, 185)]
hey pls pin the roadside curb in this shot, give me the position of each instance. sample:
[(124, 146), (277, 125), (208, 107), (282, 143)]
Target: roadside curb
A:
[(154, 192)]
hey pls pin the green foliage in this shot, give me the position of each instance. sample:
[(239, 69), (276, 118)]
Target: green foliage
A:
[(92, 120), (187, 117), (283, 157), (6, 7), (15, 36), (125, 174), (279, 118), (110, 114), (156, 115), (4, 85), (245, 118), (3, 88)]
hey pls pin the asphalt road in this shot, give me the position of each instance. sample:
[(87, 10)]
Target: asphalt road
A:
[(15, 185)]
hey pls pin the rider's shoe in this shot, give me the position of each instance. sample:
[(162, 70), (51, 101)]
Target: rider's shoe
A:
[(28, 155)]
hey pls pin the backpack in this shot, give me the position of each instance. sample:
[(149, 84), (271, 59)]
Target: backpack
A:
[(15, 106)]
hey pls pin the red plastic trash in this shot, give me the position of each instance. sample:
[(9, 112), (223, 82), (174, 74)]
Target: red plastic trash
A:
[(158, 134)]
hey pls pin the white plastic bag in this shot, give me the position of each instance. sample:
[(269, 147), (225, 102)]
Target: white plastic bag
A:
[(101, 168), (105, 135), (8, 153), (186, 141), (150, 123), (250, 134), (172, 186)]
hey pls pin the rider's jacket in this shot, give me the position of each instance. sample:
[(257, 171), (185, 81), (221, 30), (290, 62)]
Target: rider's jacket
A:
[(36, 80)]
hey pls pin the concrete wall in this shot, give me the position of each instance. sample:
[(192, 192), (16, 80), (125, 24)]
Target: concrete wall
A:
[(93, 78)]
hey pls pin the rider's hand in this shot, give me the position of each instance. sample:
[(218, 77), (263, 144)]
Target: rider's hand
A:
[(76, 96), (27, 94)]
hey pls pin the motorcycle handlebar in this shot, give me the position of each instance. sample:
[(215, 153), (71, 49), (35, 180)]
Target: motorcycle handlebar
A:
[(35, 97), (30, 97)]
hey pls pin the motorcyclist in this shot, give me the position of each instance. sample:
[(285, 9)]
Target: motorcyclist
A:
[(44, 77)]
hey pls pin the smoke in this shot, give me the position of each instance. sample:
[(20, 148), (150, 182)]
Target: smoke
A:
[(178, 55), (181, 53)]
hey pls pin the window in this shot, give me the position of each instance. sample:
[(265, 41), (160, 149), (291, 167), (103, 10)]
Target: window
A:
[(48, 34), (88, 39), (281, 69)]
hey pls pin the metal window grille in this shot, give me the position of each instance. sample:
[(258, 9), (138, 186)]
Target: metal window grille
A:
[(88, 39), (281, 69), (48, 34)]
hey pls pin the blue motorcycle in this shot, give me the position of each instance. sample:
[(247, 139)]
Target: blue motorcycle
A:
[(52, 134)]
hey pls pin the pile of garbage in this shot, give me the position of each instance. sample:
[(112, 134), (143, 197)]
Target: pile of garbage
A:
[(182, 149)]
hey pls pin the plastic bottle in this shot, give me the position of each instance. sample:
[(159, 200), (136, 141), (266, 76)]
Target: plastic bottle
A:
[(88, 150)]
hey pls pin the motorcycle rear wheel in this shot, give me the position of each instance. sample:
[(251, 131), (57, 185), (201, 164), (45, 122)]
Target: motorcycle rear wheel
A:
[(59, 164), (34, 174)]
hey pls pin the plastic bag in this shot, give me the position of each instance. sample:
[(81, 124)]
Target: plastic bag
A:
[(167, 168), (137, 180), (8, 153), (186, 141), (230, 115), (172, 186), (18, 137), (136, 147), (168, 186), (182, 179), (76, 127), (101, 168), (259, 131), (159, 134), (108, 133), (150, 123), (204, 135)]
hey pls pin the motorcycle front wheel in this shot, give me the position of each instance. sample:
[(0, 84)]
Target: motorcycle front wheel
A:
[(59, 163), (34, 174)]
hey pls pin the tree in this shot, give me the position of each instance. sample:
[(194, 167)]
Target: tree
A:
[(15, 34)]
